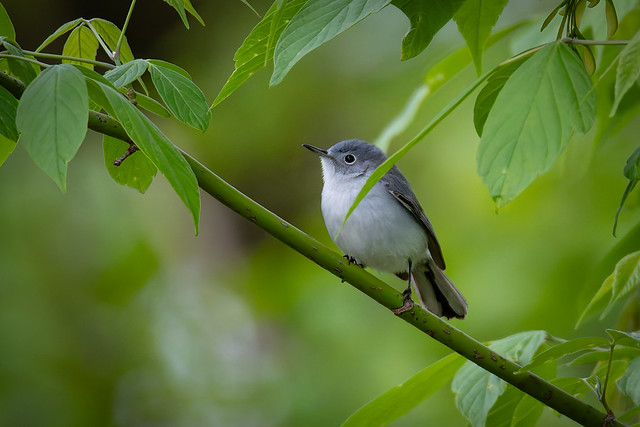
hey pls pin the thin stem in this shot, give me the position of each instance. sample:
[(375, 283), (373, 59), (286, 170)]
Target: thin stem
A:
[(116, 54), (68, 58), (23, 58), (570, 40), (100, 41), (603, 398)]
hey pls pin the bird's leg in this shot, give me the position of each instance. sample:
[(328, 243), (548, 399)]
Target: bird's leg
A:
[(407, 304), (352, 260)]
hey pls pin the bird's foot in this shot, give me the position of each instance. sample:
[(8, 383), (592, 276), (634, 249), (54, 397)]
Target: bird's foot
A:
[(407, 304), (352, 260)]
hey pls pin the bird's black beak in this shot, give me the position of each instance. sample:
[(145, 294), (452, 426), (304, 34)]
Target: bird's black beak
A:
[(316, 150)]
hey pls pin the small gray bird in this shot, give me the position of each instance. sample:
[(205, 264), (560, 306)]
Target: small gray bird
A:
[(388, 231)]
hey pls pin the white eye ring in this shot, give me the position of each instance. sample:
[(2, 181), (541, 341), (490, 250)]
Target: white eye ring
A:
[(349, 159)]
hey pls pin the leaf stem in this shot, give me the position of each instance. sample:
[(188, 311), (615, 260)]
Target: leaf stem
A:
[(69, 58), (603, 398), (116, 53), (570, 40), (24, 58), (100, 41)]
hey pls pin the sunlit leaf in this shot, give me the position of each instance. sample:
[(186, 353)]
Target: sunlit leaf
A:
[(477, 390), (534, 115), (110, 34), (52, 119), (6, 26), (399, 400), (316, 23), (153, 143), (81, 43), (565, 348), (475, 19), (628, 70), (126, 73), (184, 99), (426, 18), (136, 171), (256, 50), (63, 29), (629, 384)]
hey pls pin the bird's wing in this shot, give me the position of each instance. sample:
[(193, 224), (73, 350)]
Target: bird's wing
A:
[(401, 191)]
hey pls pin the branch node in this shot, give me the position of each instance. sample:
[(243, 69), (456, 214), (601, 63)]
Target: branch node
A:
[(132, 149)]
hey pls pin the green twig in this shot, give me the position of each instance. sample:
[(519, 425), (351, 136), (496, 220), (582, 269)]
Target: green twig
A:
[(570, 40), (68, 58), (24, 58), (368, 284), (116, 53)]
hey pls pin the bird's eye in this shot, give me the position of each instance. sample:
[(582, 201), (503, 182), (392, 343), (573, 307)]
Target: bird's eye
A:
[(349, 159)]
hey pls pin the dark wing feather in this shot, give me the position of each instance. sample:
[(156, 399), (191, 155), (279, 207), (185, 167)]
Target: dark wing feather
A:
[(399, 188)]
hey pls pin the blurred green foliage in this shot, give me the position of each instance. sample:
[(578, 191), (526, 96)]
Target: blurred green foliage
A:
[(112, 313)]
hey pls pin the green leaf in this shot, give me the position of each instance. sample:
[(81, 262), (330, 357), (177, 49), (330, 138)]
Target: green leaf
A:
[(632, 172), (475, 20), (153, 143), (562, 349), (6, 148), (625, 280), (535, 113), (257, 50), (8, 107), (126, 73), (399, 400), (478, 390), (184, 99), (151, 105), (251, 7), (63, 29), (624, 337), (52, 118), (619, 353), (170, 65), (629, 384), (110, 33), (487, 96), (316, 23), (426, 18), (6, 26), (81, 43), (527, 412), (628, 70), (136, 171), (183, 6), (23, 70)]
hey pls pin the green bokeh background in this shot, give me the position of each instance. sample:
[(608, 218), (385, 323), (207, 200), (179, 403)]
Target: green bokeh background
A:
[(113, 313)]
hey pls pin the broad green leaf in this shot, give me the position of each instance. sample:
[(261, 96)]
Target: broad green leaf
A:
[(170, 65), (501, 412), (257, 50), (63, 29), (487, 96), (81, 43), (624, 337), (151, 105), (8, 106), (478, 390), (6, 26), (52, 118), (562, 349), (629, 384), (628, 70), (126, 73), (625, 280), (399, 400), (160, 150), (316, 23), (182, 7), (23, 70), (136, 171), (184, 99), (475, 20), (527, 412), (544, 101), (6, 148), (110, 33), (426, 18)]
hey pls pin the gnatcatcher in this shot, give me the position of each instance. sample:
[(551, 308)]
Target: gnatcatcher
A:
[(388, 230)]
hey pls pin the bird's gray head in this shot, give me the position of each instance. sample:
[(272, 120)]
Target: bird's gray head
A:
[(351, 158)]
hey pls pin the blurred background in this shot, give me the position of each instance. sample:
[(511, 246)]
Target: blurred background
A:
[(113, 313)]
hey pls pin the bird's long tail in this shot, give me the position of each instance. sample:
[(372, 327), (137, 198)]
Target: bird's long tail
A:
[(436, 292)]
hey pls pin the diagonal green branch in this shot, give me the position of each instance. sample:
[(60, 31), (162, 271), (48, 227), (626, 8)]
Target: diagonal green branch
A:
[(373, 287)]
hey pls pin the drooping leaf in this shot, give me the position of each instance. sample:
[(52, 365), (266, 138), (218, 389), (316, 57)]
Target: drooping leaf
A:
[(251, 7), (184, 99), (628, 70), (8, 107), (316, 23), (110, 34), (399, 400), (81, 43), (562, 349), (136, 171), (126, 73), (23, 70), (63, 29), (625, 280), (160, 150), (540, 106), (629, 384), (182, 7), (256, 50), (426, 18), (52, 119), (6, 26), (477, 390), (487, 96), (475, 20)]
